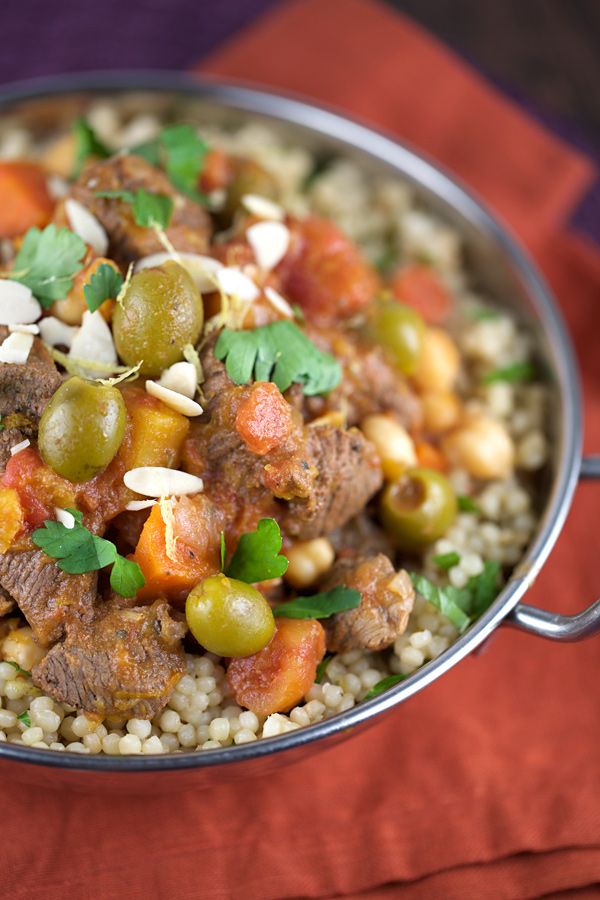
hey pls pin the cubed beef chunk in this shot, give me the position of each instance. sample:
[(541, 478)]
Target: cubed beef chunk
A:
[(125, 664), (189, 228), (7, 604), (387, 599)]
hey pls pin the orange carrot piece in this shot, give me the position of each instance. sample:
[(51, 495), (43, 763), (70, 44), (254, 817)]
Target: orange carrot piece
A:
[(24, 198), (264, 418)]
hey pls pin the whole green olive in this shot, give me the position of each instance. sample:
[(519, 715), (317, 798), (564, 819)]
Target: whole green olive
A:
[(81, 429), (418, 508), (249, 177), (229, 617), (400, 330), (160, 313)]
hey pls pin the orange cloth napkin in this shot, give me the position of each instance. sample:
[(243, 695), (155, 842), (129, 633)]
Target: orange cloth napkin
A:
[(487, 784)]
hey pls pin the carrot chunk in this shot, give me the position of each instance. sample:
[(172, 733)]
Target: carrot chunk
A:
[(24, 196), (264, 418)]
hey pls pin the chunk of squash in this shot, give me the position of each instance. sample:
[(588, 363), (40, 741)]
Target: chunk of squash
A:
[(157, 432)]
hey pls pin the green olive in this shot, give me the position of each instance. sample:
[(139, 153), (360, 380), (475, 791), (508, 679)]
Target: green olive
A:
[(400, 330), (418, 508), (160, 313), (229, 617), (81, 429), (249, 177)]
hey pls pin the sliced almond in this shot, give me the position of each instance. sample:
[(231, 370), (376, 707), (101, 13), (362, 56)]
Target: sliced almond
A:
[(201, 268), (155, 481), (55, 332), (181, 377), (136, 505), (270, 241), (64, 517), (15, 348), (86, 225), (24, 329), (22, 445), (263, 208), (179, 402), (233, 282), (18, 306), (278, 302), (94, 341)]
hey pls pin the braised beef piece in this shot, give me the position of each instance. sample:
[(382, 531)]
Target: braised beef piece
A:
[(387, 599), (24, 392), (188, 231), (125, 664), (7, 604), (49, 599), (362, 536)]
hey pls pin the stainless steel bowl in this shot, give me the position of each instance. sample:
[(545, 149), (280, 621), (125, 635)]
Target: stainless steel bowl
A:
[(499, 265)]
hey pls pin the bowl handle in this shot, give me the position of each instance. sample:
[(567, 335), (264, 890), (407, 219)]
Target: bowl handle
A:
[(552, 625)]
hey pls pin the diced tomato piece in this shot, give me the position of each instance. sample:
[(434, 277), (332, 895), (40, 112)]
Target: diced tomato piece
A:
[(264, 418), (277, 677), (420, 287), (25, 198), (325, 272), (11, 517), (430, 457), (40, 489), (180, 544), (216, 172)]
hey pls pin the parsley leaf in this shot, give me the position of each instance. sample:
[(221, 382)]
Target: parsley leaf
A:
[(223, 551), (484, 587), (48, 261), (521, 371), (462, 605), (383, 685), (446, 561), (257, 557), (19, 669), (320, 606), (87, 143), (104, 284), (25, 719), (280, 353), (78, 550), (181, 153), (149, 210), (467, 504), (322, 668), (483, 314)]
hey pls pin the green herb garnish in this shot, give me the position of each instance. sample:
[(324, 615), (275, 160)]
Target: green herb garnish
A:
[(320, 606), (18, 668), (467, 504), (521, 371), (78, 550), (1, 424), (181, 153), (149, 210), (446, 561), (257, 557), (280, 353), (462, 605), (383, 685), (298, 313), (483, 588), (223, 551), (48, 261), (321, 668), (25, 719), (87, 143), (483, 314), (105, 284)]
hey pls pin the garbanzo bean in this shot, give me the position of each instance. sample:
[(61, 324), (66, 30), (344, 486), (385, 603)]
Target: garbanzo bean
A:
[(441, 411), (394, 445), (20, 647), (438, 364), (308, 560), (482, 446)]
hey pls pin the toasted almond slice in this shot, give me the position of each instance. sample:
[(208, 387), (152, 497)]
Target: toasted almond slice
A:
[(15, 348), (64, 517), (181, 377), (94, 341), (270, 241), (179, 402), (136, 505), (155, 481), (86, 225), (263, 208), (24, 329), (55, 332), (279, 302), (233, 282), (22, 445), (18, 306), (201, 268)]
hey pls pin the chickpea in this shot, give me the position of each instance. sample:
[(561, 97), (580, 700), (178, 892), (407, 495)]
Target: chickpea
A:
[(308, 560), (439, 362), (19, 646), (59, 156), (394, 445), (482, 446), (441, 411)]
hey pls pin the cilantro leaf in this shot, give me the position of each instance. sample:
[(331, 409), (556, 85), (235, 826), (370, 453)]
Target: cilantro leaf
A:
[(467, 504), (104, 284), (149, 210), (20, 671), (521, 371), (383, 685), (484, 587), (87, 143), (25, 719), (257, 557), (446, 561), (184, 152), (322, 668), (483, 314), (280, 353), (223, 551), (447, 599), (48, 261), (77, 550), (126, 577), (320, 606)]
